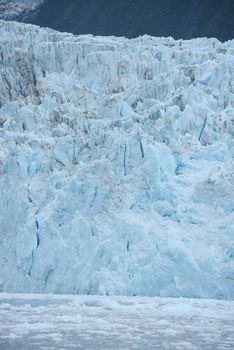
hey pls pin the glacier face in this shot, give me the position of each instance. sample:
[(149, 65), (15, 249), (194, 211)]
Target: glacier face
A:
[(18, 9), (115, 164)]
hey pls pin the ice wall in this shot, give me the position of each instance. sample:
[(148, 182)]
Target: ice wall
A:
[(116, 173)]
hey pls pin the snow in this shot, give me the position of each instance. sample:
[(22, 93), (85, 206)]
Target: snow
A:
[(18, 9), (95, 322), (116, 170)]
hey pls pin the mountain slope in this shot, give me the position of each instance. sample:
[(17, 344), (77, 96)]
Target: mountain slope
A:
[(115, 164), (18, 9), (178, 18)]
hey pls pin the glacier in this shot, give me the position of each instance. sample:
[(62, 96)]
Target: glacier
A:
[(116, 164)]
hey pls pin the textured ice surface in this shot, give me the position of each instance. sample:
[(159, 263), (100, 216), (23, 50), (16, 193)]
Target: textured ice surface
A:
[(115, 164), (18, 9), (32, 322)]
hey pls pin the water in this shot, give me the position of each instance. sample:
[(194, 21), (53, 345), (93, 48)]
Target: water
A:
[(32, 322)]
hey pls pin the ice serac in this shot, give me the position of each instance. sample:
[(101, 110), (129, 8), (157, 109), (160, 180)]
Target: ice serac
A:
[(116, 173)]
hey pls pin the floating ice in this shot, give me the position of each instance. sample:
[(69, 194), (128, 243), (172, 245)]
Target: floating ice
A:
[(88, 322)]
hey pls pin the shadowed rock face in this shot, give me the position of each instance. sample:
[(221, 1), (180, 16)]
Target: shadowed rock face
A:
[(18, 9), (115, 164), (178, 18)]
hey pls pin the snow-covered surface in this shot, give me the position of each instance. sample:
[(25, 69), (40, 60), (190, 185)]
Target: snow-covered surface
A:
[(92, 322), (116, 164), (18, 9)]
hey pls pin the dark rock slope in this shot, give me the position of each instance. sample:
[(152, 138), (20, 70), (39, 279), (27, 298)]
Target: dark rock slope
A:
[(178, 18)]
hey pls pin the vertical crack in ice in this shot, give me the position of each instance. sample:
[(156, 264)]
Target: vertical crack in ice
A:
[(48, 275), (128, 246), (94, 197), (29, 198), (125, 150), (92, 232), (202, 129), (37, 234), (142, 149), (31, 265)]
